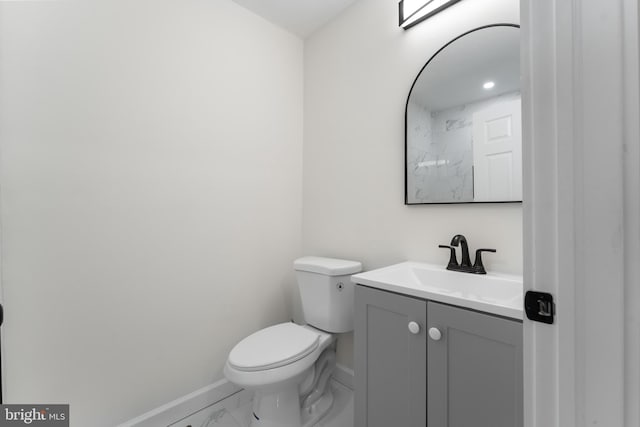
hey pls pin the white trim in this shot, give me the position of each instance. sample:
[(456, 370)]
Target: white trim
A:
[(538, 102), (193, 402), (581, 211), (631, 80), (184, 406), (343, 375)]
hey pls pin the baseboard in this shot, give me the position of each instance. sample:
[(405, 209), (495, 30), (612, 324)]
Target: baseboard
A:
[(343, 375), (184, 406), (193, 402)]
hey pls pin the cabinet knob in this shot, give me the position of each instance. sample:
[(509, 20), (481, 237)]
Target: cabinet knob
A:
[(435, 334), (414, 328)]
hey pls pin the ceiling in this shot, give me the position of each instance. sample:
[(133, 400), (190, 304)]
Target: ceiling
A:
[(455, 76), (301, 17)]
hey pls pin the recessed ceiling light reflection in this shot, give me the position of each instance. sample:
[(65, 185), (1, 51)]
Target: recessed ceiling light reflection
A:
[(488, 85)]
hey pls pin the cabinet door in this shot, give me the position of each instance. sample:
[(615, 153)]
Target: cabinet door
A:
[(390, 361), (474, 369)]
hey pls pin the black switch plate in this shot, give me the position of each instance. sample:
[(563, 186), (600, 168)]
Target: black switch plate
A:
[(539, 306)]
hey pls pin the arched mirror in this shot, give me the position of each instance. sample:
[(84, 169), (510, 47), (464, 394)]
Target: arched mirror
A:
[(463, 138)]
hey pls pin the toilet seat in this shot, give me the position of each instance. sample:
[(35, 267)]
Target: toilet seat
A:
[(273, 347), (292, 368)]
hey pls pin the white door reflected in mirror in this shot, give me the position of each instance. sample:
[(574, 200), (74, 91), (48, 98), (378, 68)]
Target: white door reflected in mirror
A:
[(497, 152)]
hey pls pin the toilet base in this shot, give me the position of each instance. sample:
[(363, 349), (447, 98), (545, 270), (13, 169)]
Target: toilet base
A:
[(297, 403), (277, 409), (311, 415), (282, 409)]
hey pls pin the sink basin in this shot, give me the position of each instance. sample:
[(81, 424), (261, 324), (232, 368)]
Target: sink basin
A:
[(494, 293)]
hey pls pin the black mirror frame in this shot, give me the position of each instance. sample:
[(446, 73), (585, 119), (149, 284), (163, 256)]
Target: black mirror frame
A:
[(406, 194)]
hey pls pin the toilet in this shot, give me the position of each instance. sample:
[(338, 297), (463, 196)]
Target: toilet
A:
[(288, 366)]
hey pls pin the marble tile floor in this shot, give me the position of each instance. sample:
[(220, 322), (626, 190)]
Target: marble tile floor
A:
[(235, 411)]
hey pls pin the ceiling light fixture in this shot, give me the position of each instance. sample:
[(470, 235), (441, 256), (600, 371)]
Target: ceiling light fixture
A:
[(413, 12), (488, 85)]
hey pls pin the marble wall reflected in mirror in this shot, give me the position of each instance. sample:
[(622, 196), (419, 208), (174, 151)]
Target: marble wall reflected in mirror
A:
[(463, 139)]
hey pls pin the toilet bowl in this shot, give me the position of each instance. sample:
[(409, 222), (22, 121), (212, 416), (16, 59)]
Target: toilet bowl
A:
[(279, 364), (288, 365)]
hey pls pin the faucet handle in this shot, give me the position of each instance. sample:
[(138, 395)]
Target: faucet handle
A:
[(453, 261), (478, 267)]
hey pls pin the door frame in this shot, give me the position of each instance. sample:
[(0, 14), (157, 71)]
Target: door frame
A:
[(581, 210)]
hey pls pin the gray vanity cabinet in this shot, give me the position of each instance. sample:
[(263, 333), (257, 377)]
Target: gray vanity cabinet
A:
[(390, 371), (460, 368), (474, 370)]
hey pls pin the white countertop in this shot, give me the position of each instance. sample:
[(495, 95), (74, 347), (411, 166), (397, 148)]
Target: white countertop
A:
[(494, 293)]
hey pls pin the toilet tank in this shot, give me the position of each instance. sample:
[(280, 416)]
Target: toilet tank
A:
[(326, 292)]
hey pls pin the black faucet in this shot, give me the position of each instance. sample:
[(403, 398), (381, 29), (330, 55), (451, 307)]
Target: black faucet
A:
[(459, 239), (465, 266)]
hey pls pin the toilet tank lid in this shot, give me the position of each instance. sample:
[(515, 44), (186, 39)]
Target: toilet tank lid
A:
[(328, 266)]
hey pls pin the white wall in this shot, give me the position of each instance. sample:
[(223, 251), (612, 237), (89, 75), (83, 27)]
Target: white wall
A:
[(151, 196), (358, 72)]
